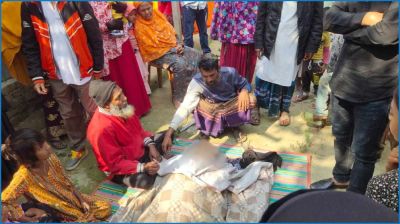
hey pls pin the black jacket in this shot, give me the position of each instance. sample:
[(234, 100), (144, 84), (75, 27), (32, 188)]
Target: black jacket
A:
[(367, 68), (309, 24)]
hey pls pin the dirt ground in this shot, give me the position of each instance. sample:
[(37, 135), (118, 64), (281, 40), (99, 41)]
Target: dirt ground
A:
[(268, 136)]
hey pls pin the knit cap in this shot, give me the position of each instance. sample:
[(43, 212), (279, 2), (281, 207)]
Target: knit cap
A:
[(101, 91)]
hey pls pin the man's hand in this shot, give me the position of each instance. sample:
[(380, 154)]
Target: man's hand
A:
[(371, 18), (167, 142), (40, 88), (308, 56), (243, 100), (154, 154), (179, 49), (152, 167), (259, 53)]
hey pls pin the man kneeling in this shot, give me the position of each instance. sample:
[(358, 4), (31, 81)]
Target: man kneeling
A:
[(123, 149), (219, 98)]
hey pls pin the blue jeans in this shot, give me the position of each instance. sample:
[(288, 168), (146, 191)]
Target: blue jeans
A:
[(358, 129), (200, 16), (321, 105)]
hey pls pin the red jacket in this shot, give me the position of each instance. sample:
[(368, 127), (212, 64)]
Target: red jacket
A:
[(83, 32), (117, 143)]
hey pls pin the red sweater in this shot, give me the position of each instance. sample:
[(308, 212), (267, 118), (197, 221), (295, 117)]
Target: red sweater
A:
[(117, 143)]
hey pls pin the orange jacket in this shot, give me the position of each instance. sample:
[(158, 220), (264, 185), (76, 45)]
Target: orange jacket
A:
[(82, 29)]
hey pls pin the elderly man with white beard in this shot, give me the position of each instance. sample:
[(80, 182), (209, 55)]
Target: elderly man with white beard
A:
[(123, 149)]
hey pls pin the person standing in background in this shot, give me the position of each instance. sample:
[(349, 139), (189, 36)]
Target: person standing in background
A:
[(195, 11), (362, 85), (286, 34), (65, 55), (120, 62), (313, 69), (15, 63), (233, 24)]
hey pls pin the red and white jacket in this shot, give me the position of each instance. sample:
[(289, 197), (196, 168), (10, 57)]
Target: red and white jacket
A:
[(83, 32)]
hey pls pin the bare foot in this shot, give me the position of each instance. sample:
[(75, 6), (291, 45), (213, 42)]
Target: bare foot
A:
[(284, 119)]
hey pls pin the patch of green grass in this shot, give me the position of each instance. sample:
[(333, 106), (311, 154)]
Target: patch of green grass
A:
[(304, 146)]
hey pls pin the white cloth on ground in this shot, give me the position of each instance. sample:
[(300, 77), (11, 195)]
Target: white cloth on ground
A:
[(209, 167), (177, 198)]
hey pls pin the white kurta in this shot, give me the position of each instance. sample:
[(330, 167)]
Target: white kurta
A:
[(281, 68)]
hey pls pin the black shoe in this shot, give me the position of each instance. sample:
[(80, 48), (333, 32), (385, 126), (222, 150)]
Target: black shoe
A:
[(326, 184)]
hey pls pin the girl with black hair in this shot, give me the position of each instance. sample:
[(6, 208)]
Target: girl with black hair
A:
[(41, 178)]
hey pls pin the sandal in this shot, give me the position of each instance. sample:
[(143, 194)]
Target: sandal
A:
[(320, 121), (300, 97), (255, 116), (239, 136), (284, 119), (320, 117)]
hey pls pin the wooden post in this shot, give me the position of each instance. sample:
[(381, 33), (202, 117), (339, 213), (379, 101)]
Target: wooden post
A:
[(176, 16)]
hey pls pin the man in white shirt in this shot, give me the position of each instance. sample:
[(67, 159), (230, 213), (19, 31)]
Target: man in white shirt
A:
[(195, 11)]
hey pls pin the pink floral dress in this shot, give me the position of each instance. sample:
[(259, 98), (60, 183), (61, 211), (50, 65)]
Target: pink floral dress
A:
[(112, 45)]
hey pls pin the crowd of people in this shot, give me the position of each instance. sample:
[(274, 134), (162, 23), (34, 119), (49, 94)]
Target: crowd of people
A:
[(88, 61)]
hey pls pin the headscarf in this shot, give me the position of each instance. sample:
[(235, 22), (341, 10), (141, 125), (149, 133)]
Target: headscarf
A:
[(155, 37)]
